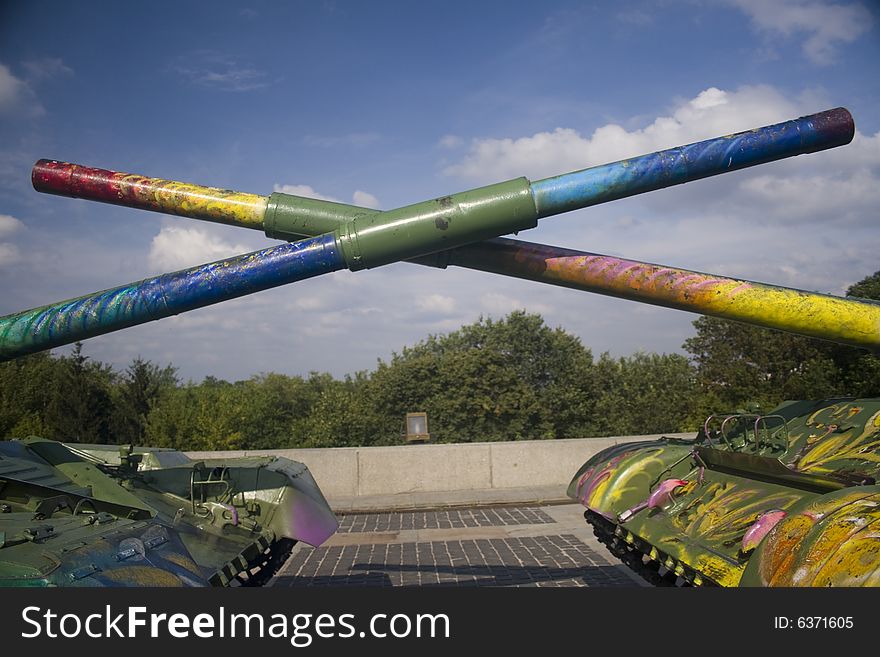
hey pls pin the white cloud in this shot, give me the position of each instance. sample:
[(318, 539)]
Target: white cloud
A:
[(450, 141), (9, 253), (498, 304), (214, 70), (304, 190), (436, 303), (177, 248), (365, 199), (16, 97), (46, 67), (11, 87), (309, 303), (9, 225), (711, 113), (851, 198), (838, 189), (359, 197), (822, 24), (711, 97)]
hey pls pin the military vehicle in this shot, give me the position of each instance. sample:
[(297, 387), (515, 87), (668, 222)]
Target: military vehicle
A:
[(464, 230), (783, 498), (100, 515)]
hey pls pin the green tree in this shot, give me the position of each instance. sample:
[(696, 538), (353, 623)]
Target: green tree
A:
[(491, 380), (342, 415), (79, 407), (136, 392), (26, 386), (173, 419), (737, 363), (643, 393), (277, 408), (867, 288), (199, 417), (859, 369)]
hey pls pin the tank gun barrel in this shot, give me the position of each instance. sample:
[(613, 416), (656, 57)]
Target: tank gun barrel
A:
[(342, 236), (847, 321), (290, 217), (162, 296), (369, 240), (851, 321)]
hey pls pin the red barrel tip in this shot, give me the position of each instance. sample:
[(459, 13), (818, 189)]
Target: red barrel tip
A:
[(50, 176), (75, 180)]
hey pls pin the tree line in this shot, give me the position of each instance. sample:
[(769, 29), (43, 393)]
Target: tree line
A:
[(509, 379)]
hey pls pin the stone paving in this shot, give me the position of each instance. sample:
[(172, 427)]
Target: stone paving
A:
[(446, 519), (501, 546)]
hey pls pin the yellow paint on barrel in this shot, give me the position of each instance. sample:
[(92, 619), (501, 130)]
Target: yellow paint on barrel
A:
[(186, 199), (823, 316)]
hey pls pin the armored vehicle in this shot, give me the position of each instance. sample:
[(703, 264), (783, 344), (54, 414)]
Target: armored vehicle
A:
[(786, 498), (98, 515)]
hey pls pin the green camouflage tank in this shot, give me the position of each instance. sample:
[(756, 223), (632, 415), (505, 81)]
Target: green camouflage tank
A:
[(783, 499)]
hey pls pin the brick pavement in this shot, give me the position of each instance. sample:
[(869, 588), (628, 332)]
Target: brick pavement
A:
[(502, 546), (445, 519)]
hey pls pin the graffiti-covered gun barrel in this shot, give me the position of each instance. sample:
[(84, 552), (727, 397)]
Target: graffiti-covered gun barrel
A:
[(844, 320), (368, 240), (782, 497), (302, 217), (342, 236)]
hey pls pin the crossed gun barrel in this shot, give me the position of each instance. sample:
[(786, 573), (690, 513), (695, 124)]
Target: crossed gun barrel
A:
[(457, 230)]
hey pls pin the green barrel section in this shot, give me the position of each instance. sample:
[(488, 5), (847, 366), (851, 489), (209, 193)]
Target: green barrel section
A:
[(379, 238)]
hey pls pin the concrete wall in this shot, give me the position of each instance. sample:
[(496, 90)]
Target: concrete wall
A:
[(358, 472)]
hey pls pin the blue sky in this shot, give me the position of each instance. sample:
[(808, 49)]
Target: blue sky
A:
[(389, 103)]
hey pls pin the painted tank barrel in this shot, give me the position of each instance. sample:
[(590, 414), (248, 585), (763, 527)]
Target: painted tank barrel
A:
[(365, 238), (369, 240), (849, 321), (702, 159), (162, 296), (290, 217), (136, 191), (372, 238)]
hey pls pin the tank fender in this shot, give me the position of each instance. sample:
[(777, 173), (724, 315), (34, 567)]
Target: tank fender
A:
[(620, 477)]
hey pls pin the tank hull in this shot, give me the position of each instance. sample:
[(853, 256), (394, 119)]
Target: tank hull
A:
[(786, 499), (101, 517)]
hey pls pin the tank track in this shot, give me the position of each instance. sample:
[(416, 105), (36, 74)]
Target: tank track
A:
[(263, 568), (642, 558)]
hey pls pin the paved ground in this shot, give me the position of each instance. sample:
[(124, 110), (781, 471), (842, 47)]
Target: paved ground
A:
[(498, 546)]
